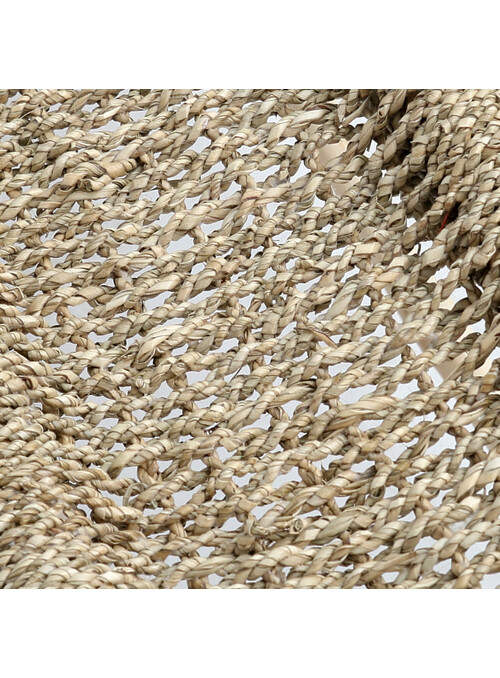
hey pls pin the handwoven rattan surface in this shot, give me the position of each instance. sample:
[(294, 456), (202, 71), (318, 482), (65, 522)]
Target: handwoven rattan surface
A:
[(248, 338)]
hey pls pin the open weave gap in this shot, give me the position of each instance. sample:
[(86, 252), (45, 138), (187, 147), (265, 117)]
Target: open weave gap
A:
[(248, 338)]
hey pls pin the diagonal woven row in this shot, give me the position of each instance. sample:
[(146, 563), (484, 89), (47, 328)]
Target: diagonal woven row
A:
[(248, 338)]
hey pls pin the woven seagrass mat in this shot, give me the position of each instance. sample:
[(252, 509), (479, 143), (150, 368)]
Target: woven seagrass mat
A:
[(248, 338)]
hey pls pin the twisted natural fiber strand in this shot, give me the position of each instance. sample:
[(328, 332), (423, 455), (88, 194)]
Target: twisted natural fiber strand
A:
[(247, 338)]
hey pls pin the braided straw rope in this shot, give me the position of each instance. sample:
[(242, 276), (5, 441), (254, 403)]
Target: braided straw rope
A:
[(247, 338)]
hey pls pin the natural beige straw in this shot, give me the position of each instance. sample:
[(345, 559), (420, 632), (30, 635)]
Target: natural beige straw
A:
[(248, 338)]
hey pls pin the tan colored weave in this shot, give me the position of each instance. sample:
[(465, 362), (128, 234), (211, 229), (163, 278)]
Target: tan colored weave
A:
[(237, 346)]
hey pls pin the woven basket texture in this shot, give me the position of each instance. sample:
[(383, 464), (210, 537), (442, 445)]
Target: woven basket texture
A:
[(248, 338)]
